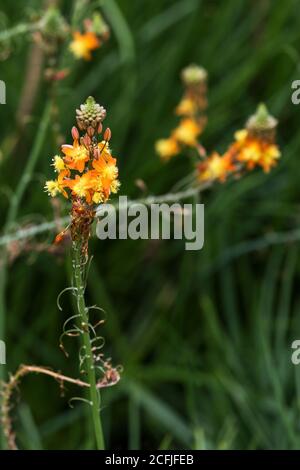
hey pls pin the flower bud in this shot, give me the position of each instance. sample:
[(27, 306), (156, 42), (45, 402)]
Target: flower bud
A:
[(193, 75), (107, 134), (86, 141), (262, 124), (90, 131), (75, 133)]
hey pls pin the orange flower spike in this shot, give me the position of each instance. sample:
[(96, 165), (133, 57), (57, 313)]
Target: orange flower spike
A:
[(76, 156), (83, 44), (255, 145), (87, 172), (191, 110)]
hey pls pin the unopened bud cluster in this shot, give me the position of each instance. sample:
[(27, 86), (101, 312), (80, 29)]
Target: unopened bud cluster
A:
[(90, 114)]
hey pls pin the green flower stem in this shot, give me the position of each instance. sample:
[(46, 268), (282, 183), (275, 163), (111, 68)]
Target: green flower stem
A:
[(94, 393)]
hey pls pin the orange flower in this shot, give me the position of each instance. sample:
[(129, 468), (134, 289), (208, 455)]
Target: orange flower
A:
[(106, 167), (187, 132), (104, 148), (215, 167), (76, 156), (83, 44), (84, 186), (254, 151)]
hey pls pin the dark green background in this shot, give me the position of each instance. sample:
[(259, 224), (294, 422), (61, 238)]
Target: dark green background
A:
[(204, 338)]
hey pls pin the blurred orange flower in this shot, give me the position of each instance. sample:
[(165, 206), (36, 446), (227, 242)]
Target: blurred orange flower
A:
[(215, 167), (83, 44), (254, 150)]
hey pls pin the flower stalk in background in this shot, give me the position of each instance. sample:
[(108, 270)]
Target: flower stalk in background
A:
[(254, 146), (87, 175), (191, 110)]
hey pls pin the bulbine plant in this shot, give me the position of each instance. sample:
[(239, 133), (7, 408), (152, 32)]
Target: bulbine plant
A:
[(87, 175), (253, 146)]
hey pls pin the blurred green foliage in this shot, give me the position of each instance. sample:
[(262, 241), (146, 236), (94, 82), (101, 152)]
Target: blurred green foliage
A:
[(204, 338)]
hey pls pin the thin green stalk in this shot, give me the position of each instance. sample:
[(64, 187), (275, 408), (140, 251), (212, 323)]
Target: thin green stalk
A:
[(94, 393)]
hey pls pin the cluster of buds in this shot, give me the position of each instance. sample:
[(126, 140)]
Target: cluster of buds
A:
[(90, 114), (254, 146), (87, 172), (191, 110)]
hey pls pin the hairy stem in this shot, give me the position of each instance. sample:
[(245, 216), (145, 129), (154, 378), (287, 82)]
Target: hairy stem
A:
[(95, 399)]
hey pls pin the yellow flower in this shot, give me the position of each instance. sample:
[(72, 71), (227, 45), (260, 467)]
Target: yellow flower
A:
[(269, 157), (83, 44), (241, 135), (58, 163), (52, 188), (97, 197), (186, 107), (115, 185), (187, 132), (167, 148), (215, 167)]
